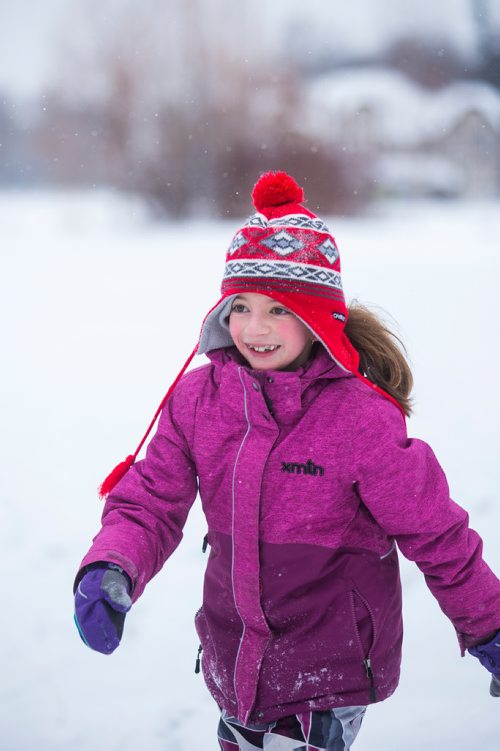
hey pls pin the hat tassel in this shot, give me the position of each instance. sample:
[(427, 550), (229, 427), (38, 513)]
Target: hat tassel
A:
[(115, 476)]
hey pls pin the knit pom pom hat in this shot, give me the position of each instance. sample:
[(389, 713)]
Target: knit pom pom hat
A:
[(286, 252)]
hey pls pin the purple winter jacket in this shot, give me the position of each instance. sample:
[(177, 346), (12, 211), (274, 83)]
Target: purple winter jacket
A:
[(307, 481)]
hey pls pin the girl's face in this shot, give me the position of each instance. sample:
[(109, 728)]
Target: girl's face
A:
[(268, 335)]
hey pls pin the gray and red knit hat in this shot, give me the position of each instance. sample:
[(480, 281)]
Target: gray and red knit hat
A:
[(285, 252)]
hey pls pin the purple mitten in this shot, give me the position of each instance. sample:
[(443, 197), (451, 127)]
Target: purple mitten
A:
[(489, 656), (101, 601)]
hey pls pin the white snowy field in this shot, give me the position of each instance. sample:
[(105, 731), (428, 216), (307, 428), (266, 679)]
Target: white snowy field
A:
[(100, 307)]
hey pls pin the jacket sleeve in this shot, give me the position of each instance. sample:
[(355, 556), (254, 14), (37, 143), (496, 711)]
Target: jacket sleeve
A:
[(145, 513), (403, 486)]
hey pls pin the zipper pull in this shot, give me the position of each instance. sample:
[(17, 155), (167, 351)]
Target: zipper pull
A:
[(369, 674), (197, 664), (205, 544)]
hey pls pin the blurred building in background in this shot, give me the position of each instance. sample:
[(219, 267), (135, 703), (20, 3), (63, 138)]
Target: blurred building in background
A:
[(187, 102), (441, 142)]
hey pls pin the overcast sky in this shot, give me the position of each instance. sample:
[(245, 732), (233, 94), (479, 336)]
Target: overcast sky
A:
[(30, 29)]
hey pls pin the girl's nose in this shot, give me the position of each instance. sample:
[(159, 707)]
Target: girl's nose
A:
[(257, 325)]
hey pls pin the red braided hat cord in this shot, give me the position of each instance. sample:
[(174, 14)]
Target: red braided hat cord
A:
[(121, 469)]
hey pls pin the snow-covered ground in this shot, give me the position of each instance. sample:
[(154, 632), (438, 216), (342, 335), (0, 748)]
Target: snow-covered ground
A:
[(100, 307)]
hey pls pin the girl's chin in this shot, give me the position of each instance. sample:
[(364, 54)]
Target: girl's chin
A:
[(275, 360), (263, 360), (266, 363), (266, 360)]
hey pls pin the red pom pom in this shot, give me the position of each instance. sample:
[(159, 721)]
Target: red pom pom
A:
[(276, 189)]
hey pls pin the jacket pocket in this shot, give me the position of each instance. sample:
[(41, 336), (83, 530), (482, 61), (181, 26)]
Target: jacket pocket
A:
[(365, 632), (201, 626), (213, 665), (198, 631)]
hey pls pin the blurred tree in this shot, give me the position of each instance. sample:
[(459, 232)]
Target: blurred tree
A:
[(333, 181), (488, 42), (165, 99), (433, 63), (20, 161), (8, 137)]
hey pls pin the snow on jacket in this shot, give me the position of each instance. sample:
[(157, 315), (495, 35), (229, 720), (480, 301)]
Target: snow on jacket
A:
[(307, 481)]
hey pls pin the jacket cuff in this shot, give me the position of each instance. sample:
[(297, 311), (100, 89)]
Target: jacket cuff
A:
[(109, 556)]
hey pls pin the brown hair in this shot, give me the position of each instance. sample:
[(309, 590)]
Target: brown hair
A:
[(382, 354)]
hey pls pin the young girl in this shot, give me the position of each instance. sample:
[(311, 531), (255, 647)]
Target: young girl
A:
[(294, 436)]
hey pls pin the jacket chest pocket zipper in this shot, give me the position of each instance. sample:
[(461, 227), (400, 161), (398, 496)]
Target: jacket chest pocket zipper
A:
[(366, 654)]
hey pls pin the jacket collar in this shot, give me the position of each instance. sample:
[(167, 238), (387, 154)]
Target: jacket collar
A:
[(287, 392), (319, 365)]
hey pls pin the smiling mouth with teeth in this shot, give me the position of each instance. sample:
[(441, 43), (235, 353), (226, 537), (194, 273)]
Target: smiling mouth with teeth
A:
[(265, 348)]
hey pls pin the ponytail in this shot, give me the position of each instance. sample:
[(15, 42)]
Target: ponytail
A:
[(382, 355)]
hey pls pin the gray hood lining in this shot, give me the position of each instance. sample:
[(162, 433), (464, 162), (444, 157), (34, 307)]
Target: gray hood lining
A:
[(215, 330)]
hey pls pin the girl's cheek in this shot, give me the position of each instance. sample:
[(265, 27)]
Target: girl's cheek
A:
[(289, 327), (286, 325), (233, 327)]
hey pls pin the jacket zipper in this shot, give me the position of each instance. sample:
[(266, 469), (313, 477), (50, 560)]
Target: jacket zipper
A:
[(232, 529), (367, 663)]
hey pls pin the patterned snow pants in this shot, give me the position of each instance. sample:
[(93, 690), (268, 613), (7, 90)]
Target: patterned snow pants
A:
[(332, 730)]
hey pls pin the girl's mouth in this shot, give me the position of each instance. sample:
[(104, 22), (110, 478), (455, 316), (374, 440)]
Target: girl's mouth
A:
[(263, 349)]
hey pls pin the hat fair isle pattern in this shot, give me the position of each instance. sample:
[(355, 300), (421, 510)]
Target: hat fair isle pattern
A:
[(297, 254)]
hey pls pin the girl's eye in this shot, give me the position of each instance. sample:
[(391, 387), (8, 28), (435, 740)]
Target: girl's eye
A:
[(238, 308), (280, 311)]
